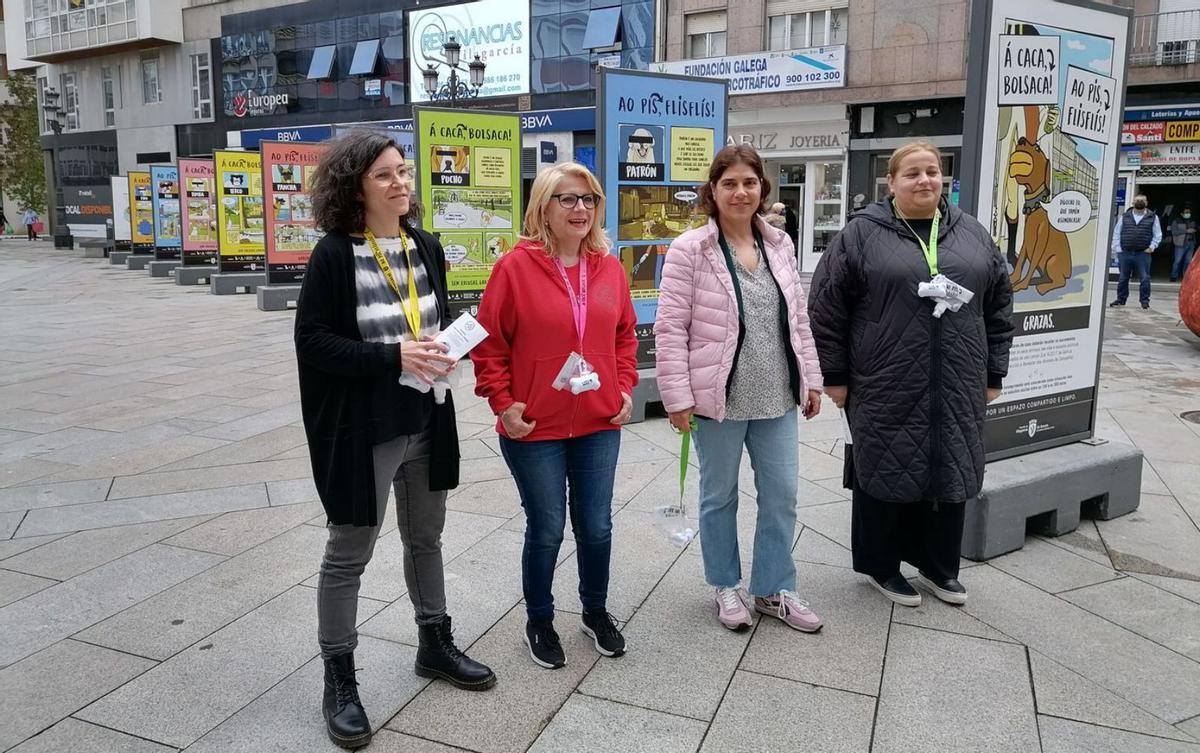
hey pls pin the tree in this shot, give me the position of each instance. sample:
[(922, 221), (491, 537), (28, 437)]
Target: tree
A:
[(22, 169)]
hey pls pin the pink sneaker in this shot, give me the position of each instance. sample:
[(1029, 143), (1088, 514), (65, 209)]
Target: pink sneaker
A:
[(790, 608), (732, 608)]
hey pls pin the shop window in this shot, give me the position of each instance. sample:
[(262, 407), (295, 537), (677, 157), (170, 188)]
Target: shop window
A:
[(705, 34), (366, 54), (603, 28), (790, 26), (322, 62)]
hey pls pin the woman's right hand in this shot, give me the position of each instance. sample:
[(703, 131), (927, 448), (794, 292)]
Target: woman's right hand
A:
[(425, 359), (837, 394), (682, 419), (513, 419)]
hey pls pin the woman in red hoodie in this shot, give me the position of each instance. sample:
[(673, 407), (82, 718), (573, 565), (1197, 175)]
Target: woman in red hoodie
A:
[(558, 369)]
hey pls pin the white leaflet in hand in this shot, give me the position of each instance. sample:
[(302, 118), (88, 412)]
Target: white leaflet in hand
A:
[(462, 335)]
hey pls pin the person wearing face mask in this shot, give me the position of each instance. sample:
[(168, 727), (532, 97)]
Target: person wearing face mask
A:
[(1135, 236), (558, 369), (1183, 235), (734, 352), (913, 379)]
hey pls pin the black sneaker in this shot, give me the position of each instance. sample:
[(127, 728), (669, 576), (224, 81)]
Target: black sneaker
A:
[(948, 590), (602, 629), (1145, 305), (1116, 303), (898, 589), (544, 646)]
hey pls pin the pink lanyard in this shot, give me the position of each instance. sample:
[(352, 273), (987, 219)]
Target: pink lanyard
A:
[(578, 305)]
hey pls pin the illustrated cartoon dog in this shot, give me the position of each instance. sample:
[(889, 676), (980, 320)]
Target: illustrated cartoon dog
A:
[(641, 147), (1044, 248)]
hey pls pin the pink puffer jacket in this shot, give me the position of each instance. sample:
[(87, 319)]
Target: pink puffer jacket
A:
[(696, 328)]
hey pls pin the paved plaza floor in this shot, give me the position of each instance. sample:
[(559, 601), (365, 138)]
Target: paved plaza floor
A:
[(160, 537)]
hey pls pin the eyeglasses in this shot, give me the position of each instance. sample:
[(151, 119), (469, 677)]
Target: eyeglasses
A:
[(403, 174), (569, 200)]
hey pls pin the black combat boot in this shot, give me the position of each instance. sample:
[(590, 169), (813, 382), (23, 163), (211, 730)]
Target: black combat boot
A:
[(437, 656), (345, 719)]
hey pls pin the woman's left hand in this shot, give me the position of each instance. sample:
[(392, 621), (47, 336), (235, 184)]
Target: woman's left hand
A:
[(626, 410), (812, 404), (992, 393)]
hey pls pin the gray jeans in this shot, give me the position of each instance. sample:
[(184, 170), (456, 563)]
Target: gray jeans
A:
[(402, 463)]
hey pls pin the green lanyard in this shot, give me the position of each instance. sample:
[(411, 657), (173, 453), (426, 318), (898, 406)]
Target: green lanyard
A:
[(929, 249)]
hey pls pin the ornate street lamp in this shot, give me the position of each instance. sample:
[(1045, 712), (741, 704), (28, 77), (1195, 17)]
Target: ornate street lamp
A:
[(57, 116), (456, 88)]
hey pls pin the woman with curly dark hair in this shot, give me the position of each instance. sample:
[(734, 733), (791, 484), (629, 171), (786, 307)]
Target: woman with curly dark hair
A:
[(373, 297)]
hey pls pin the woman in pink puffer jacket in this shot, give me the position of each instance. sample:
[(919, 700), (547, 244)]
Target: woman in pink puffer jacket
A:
[(730, 291)]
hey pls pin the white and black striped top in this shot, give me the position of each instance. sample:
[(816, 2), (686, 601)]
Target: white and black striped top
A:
[(380, 316)]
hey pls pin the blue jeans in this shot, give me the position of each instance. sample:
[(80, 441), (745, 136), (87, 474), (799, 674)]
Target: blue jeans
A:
[(1128, 262), (552, 476), (774, 447), (1183, 259)]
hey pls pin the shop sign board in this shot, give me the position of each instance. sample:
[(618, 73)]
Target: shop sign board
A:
[(122, 227), (288, 172), (1182, 130), (769, 72), (1170, 154), (168, 232), (197, 179), (1048, 103), (240, 220), (1143, 132), (495, 30), (141, 212), (469, 177), (87, 210), (657, 134)]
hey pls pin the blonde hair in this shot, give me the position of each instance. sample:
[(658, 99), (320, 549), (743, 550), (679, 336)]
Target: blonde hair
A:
[(911, 148), (537, 230)]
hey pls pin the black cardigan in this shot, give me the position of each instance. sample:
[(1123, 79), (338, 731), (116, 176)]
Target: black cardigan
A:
[(350, 397)]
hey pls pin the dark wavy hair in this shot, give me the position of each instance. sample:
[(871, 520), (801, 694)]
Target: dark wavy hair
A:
[(735, 154), (337, 187)]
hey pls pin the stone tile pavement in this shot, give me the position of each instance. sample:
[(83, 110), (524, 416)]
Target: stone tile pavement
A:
[(159, 537)]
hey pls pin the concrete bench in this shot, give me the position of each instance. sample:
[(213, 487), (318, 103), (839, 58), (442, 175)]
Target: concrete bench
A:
[(198, 275), (1045, 491), (163, 267), (229, 283), (645, 392), (117, 258), (277, 297), (138, 262), (96, 248)]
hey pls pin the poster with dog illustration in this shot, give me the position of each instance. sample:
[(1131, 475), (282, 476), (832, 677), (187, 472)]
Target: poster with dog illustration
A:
[(1049, 108)]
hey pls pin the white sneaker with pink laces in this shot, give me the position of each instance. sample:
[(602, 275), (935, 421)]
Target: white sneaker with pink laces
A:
[(732, 607), (791, 609)]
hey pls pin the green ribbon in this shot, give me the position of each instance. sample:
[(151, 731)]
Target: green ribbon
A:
[(685, 450)]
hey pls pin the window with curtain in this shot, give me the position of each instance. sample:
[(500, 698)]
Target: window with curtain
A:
[(705, 34), (795, 24)]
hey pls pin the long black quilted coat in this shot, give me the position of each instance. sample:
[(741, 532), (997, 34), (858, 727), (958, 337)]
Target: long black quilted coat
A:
[(917, 385)]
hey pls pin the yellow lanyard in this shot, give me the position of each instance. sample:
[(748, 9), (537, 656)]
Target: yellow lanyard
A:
[(412, 304)]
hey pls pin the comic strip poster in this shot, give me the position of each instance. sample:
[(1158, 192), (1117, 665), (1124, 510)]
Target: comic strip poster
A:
[(197, 178), (164, 180), (141, 212), (122, 218), (659, 133), (469, 174), (1051, 123), (241, 224), (289, 170)]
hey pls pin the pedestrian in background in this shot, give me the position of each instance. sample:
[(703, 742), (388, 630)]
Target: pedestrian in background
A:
[(1135, 236), (914, 386), (558, 369), (735, 352), (374, 294), (774, 216), (30, 219), (1183, 236)]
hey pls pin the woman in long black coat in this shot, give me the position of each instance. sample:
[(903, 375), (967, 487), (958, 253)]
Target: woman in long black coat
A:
[(914, 386)]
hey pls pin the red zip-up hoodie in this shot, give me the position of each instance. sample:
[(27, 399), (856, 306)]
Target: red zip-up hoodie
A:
[(528, 315)]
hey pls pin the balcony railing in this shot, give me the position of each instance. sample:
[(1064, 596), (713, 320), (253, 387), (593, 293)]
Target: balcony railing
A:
[(1166, 38)]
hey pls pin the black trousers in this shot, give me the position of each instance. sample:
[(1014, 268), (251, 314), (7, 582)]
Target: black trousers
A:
[(883, 534)]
